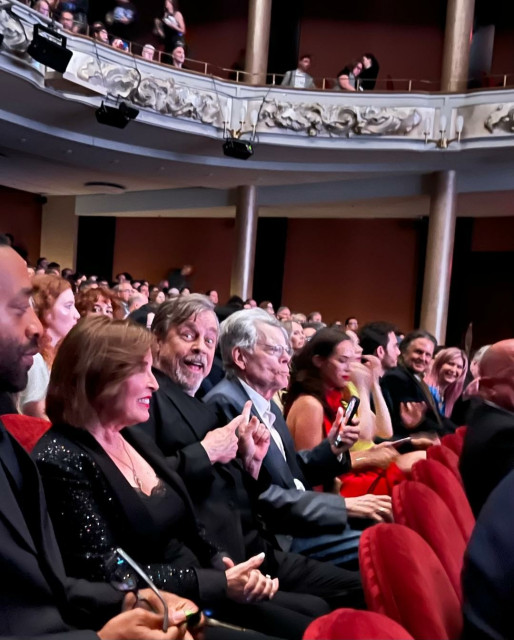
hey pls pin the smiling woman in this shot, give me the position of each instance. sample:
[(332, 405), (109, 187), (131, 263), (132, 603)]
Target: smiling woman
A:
[(54, 305)]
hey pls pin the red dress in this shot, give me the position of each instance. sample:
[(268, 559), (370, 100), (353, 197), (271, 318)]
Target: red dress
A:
[(357, 483)]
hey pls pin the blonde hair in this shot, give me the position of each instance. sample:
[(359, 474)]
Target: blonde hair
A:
[(94, 359)]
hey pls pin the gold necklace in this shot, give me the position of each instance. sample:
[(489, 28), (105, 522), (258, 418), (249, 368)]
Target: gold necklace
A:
[(130, 466)]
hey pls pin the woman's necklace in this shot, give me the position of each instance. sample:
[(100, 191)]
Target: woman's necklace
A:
[(130, 466)]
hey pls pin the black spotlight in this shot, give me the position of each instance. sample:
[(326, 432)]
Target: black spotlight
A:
[(49, 48), (116, 116), (239, 149)]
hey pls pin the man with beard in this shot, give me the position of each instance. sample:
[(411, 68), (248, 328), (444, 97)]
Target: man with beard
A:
[(222, 486), (256, 354), (36, 597)]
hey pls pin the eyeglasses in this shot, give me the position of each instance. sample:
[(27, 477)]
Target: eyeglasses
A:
[(123, 572), (276, 349)]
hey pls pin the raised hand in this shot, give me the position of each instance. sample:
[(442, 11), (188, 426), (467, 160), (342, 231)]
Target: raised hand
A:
[(349, 433), (221, 444), (412, 413), (254, 440)]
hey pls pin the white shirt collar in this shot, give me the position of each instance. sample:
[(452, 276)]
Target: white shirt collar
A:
[(259, 402)]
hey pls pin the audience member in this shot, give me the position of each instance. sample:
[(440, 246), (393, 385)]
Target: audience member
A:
[(251, 303), (488, 571), (488, 452), (299, 78), (268, 307), (178, 278), (148, 52), (157, 296), (54, 305), (38, 599), (99, 301), (299, 317), (101, 383), (379, 339), (409, 400), (256, 355), (125, 291), (121, 19), (369, 73), (351, 324), (284, 314), (43, 8), (66, 20), (178, 55), (296, 335), (314, 316), (171, 27), (212, 294), (347, 77), (320, 385), (446, 378), (222, 488), (99, 32), (136, 301), (311, 328)]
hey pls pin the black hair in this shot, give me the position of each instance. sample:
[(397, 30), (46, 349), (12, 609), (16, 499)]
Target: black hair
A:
[(414, 335), (374, 335)]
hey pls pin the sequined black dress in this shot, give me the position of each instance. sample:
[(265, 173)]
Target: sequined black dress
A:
[(94, 510)]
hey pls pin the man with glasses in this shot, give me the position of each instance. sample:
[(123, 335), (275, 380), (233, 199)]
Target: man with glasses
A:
[(256, 354), (221, 465)]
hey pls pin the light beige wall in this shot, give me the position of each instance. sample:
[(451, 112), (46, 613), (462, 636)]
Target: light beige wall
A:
[(59, 231)]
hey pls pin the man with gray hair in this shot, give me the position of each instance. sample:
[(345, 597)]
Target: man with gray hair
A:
[(221, 465), (256, 354)]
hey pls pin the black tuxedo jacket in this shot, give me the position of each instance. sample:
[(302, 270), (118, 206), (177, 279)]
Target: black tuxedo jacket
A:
[(224, 495), (401, 385), (288, 509), (36, 597), (96, 510), (488, 452)]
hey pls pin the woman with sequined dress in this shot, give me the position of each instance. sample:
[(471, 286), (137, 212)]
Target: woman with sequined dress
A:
[(109, 487)]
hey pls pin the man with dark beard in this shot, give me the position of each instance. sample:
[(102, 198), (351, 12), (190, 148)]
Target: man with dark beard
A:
[(36, 597)]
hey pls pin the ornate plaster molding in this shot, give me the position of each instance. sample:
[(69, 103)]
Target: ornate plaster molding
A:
[(501, 118), (13, 30), (163, 95), (330, 119)]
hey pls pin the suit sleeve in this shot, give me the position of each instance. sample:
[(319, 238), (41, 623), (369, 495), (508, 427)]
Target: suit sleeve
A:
[(287, 510), (321, 466), (190, 461), (86, 531)]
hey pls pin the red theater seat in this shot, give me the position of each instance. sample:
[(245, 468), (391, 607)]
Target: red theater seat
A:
[(447, 457), (454, 442), (441, 480), (26, 429), (350, 624), (404, 580), (418, 507)]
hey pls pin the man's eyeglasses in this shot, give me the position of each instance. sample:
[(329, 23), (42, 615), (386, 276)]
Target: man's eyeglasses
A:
[(276, 349), (123, 576)]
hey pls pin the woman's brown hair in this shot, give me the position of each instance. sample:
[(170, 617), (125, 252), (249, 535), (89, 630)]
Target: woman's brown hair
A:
[(94, 359)]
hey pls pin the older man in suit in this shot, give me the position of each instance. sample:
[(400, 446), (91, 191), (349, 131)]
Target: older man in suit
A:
[(256, 353), (36, 597), (222, 469)]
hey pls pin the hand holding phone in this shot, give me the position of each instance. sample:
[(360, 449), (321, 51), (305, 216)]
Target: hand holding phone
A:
[(342, 437)]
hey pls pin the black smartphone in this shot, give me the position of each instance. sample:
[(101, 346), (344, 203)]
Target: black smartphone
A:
[(351, 410)]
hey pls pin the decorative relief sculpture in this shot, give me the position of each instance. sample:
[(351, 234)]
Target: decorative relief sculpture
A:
[(163, 95), (315, 118), (501, 118), (12, 29)]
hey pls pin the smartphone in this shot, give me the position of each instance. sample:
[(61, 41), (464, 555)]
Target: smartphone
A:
[(350, 412), (398, 443)]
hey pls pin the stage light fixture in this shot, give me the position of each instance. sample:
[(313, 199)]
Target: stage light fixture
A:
[(118, 117), (49, 48), (240, 149)]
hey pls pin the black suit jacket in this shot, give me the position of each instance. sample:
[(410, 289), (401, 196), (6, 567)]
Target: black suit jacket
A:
[(488, 452), (96, 510), (288, 509), (224, 495), (401, 385), (36, 597)]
